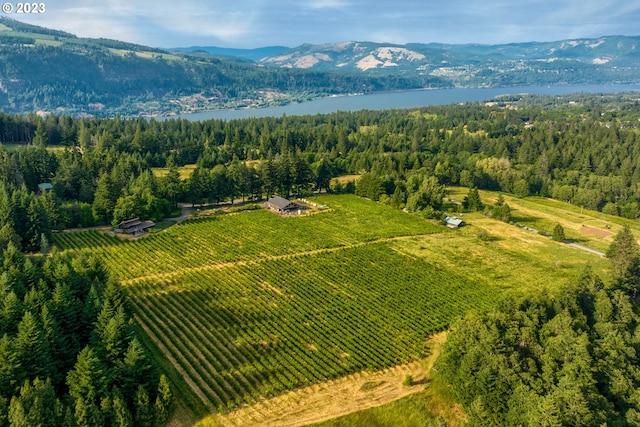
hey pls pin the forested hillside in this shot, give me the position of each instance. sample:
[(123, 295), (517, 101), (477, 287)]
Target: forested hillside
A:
[(42, 69)]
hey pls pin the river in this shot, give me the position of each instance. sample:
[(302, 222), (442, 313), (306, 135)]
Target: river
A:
[(403, 99)]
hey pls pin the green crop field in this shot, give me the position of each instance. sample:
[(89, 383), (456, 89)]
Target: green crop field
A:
[(248, 236), (250, 305), (246, 331)]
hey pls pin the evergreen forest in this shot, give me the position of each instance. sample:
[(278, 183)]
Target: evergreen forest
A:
[(581, 149), (569, 359)]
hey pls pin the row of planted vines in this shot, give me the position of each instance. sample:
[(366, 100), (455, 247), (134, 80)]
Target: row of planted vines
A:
[(253, 304), (246, 236), (245, 331)]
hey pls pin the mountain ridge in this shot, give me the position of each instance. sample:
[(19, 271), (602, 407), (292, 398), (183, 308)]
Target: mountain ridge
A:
[(605, 59), (45, 70), (373, 55), (53, 71), (536, 48), (251, 54)]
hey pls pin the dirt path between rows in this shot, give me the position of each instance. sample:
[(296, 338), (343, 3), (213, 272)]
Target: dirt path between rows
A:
[(219, 266), (334, 398)]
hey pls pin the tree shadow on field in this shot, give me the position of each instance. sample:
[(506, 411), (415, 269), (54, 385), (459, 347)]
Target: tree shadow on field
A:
[(525, 220)]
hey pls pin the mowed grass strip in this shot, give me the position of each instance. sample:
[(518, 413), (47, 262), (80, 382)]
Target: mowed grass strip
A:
[(587, 227), (511, 260), (249, 236), (269, 327)]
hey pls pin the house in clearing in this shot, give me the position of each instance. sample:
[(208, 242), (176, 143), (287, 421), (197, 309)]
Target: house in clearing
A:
[(453, 222), (134, 226), (283, 206)]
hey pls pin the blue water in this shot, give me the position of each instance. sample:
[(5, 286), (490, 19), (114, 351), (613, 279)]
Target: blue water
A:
[(403, 99)]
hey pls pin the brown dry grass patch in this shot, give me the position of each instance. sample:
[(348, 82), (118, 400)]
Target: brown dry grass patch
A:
[(334, 398)]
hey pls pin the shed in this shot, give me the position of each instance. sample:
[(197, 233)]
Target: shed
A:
[(44, 187), (453, 222)]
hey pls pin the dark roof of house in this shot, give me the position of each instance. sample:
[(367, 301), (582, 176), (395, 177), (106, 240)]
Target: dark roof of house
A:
[(147, 224), (135, 224), (279, 202), (129, 223)]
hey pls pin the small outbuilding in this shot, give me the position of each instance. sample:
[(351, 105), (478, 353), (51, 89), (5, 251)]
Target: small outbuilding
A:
[(283, 206), (453, 222), (135, 226), (45, 187)]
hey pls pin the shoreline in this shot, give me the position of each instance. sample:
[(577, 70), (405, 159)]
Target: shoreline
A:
[(462, 95)]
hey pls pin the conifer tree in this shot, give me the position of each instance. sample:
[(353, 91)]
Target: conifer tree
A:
[(87, 381), (144, 410), (135, 369), (40, 138), (623, 251), (9, 367), (17, 415), (11, 313), (32, 351), (323, 175), (87, 414), (165, 402), (121, 414), (171, 183), (472, 200), (115, 336), (558, 233), (397, 200), (105, 198)]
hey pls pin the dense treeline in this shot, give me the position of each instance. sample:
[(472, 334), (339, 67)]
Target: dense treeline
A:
[(569, 359), (68, 351), (34, 29), (584, 151)]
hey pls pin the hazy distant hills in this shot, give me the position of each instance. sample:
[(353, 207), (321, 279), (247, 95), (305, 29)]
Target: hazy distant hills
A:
[(249, 54), (616, 51), (48, 70), (613, 59), (602, 60)]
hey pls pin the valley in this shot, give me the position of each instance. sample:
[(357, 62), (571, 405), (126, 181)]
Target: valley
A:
[(49, 71)]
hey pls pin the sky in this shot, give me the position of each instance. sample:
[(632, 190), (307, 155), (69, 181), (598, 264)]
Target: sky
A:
[(258, 23)]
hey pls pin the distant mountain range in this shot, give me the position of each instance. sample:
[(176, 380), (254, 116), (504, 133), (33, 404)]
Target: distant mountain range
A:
[(617, 51), (612, 59), (48, 70), (249, 54)]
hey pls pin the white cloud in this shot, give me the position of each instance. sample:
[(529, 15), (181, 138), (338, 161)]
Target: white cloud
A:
[(252, 23), (151, 23), (326, 4)]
